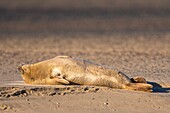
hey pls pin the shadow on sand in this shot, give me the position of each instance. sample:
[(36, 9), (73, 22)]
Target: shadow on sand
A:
[(157, 88)]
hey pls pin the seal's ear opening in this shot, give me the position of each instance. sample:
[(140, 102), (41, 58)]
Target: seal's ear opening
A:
[(20, 69)]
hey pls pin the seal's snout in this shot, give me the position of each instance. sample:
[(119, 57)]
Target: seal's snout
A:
[(20, 69)]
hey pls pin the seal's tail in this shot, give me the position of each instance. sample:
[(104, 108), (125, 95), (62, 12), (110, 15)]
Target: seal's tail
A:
[(138, 87)]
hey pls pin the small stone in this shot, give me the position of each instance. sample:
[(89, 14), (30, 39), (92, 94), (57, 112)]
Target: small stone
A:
[(27, 99), (93, 98), (51, 93), (68, 88), (7, 96), (25, 94), (72, 90), (59, 93), (57, 104), (86, 88), (106, 103), (63, 93), (3, 107), (96, 89)]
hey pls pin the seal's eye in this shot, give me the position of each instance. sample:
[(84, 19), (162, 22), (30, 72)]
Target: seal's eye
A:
[(58, 74)]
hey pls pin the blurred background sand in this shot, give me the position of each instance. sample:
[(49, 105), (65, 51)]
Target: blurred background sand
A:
[(100, 16)]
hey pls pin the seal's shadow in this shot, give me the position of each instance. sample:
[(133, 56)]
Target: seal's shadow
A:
[(157, 88)]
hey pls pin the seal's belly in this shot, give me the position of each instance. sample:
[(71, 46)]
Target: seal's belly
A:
[(85, 72), (93, 79)]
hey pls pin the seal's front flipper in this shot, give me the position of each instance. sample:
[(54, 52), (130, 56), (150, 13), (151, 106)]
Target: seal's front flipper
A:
[(138, 87), (57, 77), (57, 81), (61, 81)]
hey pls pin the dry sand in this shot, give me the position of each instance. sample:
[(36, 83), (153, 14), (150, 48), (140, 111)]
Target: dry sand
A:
[(134, 37)]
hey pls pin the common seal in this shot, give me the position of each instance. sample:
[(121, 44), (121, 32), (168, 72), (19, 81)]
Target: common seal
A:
[(71, 70)]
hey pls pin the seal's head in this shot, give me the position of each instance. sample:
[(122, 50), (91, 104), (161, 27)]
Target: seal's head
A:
[(42, 74), (25, 71)]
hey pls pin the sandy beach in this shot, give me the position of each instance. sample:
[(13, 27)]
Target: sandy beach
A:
[(133, 37)]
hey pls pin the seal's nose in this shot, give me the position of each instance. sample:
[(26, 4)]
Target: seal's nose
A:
[(20, 69)]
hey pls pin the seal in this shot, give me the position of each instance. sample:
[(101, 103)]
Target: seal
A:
[(69, 70)]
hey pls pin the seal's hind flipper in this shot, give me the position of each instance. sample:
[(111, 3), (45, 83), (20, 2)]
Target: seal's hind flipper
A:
[(138, 80), (138, 87)]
